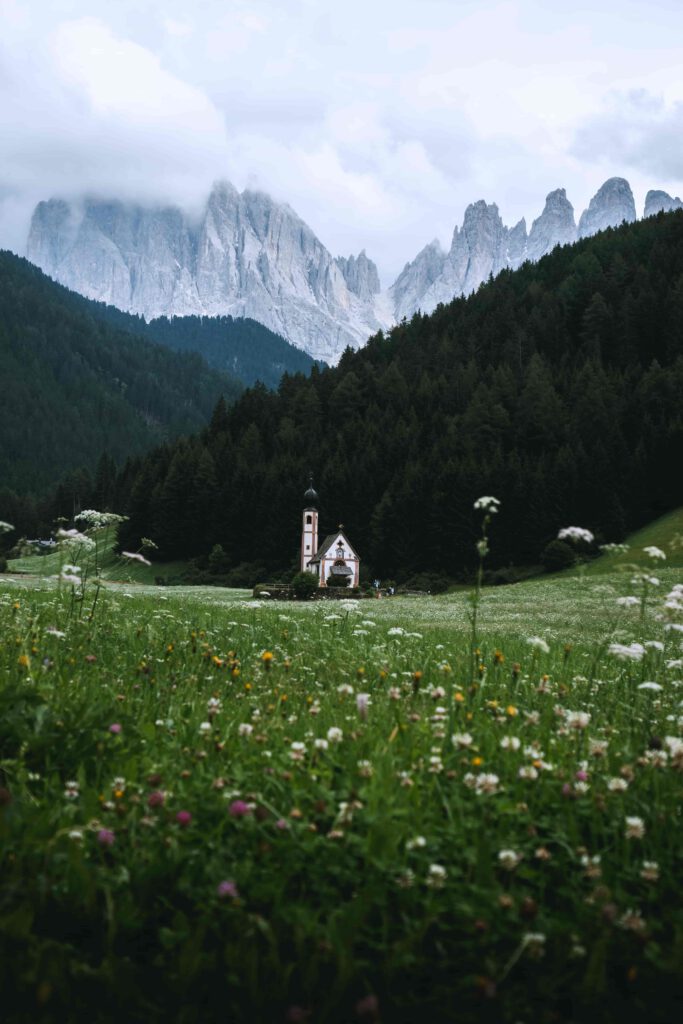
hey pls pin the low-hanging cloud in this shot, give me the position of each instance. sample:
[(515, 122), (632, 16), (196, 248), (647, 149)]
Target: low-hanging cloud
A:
[(378, 123), (637, 130)]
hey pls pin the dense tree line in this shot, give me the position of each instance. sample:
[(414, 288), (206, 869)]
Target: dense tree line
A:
[(556, 388), (239, 346), (73, 386)]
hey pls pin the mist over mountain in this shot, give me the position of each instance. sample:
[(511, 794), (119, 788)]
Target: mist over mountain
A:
[(249, 256)]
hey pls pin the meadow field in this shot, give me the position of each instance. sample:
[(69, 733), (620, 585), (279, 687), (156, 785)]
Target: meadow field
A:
[(214, 808)]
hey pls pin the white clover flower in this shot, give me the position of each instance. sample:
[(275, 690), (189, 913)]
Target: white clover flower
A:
[(205, 728), (416, 843), (365, 769), (335, 734), (485, 782), (510, 743), (576, 533), (487, 504), (635, 828), (655, 553), (650, 871), (577, 719), (245, 729), (538, 644), (509, 859), (76, 835), (345, 689), (321, 744), (528, 772), (436, 876), (462, 739), (617, 785)]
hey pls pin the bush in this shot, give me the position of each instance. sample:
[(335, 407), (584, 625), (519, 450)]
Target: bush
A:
[(3, 563), (428, 582), (557, 555), (304, 585), (338, 581)]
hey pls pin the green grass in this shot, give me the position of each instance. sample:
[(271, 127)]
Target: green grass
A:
[(665, 533), (110, 906), (111, 566)]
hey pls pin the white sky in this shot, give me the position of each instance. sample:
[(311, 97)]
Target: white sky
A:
[(377, 121)]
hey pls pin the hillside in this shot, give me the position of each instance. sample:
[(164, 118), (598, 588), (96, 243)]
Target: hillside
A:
[(238, 346), (555, 387), (74, 387)]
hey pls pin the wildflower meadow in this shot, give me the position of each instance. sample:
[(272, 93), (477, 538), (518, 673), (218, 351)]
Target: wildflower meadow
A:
[(455, 808)]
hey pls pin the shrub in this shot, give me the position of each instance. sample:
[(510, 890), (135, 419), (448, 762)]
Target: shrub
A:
[(338, 581), (557, 555), (304, 585)]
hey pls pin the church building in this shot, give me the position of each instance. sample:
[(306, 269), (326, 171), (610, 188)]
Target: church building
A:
[(334, 556)]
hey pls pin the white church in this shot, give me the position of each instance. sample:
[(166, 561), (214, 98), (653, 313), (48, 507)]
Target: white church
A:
[(334, 556)]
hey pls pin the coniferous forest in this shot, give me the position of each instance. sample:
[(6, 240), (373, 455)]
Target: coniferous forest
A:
[(556, 388)]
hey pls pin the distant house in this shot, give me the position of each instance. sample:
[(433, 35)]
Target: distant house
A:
[(334, 556)]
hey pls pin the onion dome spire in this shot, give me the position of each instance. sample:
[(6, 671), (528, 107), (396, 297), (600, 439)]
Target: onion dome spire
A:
[(311, 495)]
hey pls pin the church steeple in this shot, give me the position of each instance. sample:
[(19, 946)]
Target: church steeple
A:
[(309, 528), (311, 496)]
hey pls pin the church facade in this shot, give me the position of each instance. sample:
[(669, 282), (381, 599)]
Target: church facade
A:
[(334, 556)]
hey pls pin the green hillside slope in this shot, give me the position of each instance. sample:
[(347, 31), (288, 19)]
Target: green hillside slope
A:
[(241, 346), (74, 387)]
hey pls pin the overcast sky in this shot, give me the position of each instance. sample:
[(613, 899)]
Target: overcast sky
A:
[(377, 120)]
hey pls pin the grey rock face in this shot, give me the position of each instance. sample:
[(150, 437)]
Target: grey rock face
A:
[(657, 201), (517, 245), (416, 278), (611, 205), (246, 256), (554, 227), (484, 246), (360, 275)]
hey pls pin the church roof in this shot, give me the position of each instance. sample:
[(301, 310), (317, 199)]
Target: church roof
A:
[(327, 544)]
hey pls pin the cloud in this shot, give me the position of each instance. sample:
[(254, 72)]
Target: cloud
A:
[(636, 130), (378, 123)]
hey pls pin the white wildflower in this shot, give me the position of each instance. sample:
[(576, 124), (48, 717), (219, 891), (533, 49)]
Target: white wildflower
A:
[(635, 828), (577, 719), (576, 533), (487, 504), (538, 644), (461, 739), (509, 859), (436, 876), (655, 553), (135, 556), (630, 652)]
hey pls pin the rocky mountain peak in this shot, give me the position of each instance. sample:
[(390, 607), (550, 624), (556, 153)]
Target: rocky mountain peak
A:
[(611, 205), (657, 201), (360, 274), (555, 226)]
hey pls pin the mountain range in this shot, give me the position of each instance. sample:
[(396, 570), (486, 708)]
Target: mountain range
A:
[(249, 256)]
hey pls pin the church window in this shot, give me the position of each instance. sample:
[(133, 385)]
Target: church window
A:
[(309, 520)]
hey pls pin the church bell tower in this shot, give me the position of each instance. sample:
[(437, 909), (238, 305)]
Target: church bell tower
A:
[(309, 528)]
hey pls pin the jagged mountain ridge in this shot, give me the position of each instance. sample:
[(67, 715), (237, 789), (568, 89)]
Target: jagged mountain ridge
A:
[(246, 256), (250, 256)]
